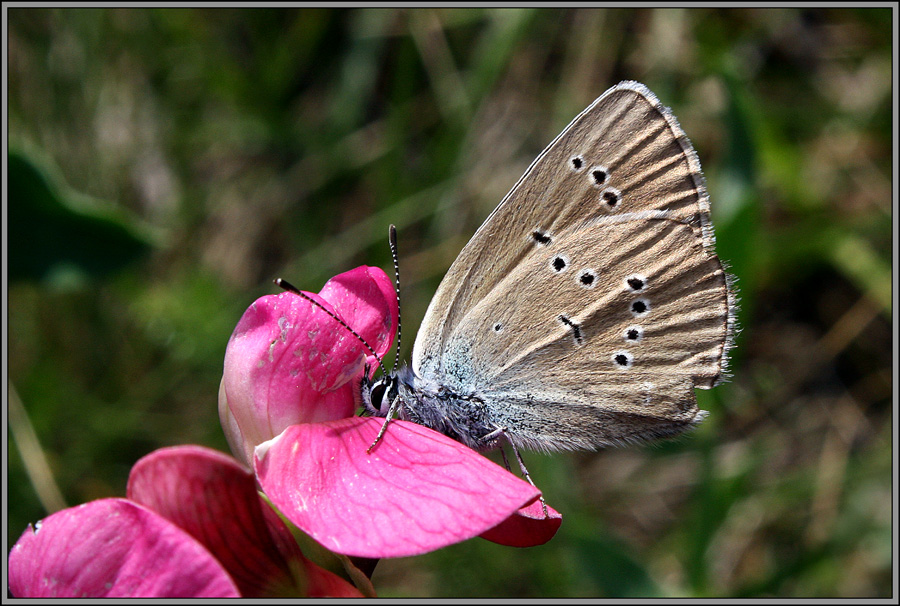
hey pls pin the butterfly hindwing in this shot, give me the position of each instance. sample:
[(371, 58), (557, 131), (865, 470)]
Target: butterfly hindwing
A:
[(624, 315)]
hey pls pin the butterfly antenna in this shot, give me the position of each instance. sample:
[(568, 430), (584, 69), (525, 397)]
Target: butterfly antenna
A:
[(392, 238), (293, 289)]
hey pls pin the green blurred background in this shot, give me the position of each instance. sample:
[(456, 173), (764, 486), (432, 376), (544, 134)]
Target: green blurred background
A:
[(166, 164)]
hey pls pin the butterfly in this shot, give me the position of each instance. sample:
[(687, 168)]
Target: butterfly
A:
[(588, 306)]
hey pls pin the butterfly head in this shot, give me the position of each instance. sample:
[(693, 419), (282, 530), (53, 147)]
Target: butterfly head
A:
[(377, 395)]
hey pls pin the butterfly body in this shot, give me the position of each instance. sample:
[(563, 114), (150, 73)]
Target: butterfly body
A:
[(590, 303), (463, 416)]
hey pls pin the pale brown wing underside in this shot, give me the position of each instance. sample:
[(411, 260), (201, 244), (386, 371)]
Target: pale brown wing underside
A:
[(625, 153), (534, 314), (618, 319)]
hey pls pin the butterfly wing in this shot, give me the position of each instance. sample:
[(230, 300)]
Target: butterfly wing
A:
[(621, 181), (597, 337)]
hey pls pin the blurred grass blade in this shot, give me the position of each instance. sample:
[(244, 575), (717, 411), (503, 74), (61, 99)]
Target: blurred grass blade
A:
[(856, 259), (36, 465)]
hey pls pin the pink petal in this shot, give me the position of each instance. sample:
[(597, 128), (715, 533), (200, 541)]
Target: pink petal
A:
[(418, 490), (113, 548), (366, 300), (213, 498), (289, 362), (527, 527)]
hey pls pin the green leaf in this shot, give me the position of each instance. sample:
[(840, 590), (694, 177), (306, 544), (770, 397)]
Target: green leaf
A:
[(54, 239)]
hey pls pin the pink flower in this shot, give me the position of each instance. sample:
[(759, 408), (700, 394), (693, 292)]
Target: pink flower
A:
[(193, 526), (287, 402), (289, 362)]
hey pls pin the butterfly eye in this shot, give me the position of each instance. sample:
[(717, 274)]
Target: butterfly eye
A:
[(377, 394), (383, 391)]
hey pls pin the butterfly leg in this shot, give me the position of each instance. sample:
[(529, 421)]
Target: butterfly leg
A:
[(502, 431), (527, 476), (387, 419), (505, 460)]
